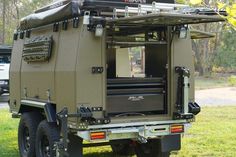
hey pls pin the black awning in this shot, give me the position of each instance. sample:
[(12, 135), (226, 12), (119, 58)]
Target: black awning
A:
[(57, 11)]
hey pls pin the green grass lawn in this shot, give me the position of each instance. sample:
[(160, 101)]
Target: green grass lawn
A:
[(212, 135)]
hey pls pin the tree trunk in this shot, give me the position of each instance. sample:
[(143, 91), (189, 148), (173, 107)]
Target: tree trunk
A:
[(17, 12), (3, 21), (198, 58)]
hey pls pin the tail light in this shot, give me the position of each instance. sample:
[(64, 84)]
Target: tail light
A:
[(98, 135), (177, 129)]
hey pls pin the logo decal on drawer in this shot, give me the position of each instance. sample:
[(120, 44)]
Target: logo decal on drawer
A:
[(136, 98)]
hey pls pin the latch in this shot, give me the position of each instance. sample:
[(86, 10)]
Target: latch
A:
[(65, 25), (86, 115), (76, 22), (96, 23), (97, 70), (28, 33), (15, 36), (85, 112), (56, 27), (22, 34)]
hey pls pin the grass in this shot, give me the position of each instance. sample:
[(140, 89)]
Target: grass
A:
[(8, 132), (212, 135), (210, 82)]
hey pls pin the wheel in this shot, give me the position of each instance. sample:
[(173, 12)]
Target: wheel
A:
[(122, 147), (47, 135), (27, 133), (150, 149)]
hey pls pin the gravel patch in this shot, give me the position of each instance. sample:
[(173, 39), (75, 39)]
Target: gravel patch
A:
[(216, 97)]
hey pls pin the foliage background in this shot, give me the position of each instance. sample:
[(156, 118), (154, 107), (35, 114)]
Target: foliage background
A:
[(11, 12)]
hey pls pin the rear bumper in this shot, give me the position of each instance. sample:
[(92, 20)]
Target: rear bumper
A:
[(141, 132)]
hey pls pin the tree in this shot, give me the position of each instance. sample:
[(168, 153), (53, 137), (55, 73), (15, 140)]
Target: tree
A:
[(3, 21), (229, 6), (226, 55), (12, 11), (206, 51)]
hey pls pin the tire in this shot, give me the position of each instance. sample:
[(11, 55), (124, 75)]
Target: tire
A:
[(150, 149), (47, 135), (27, 133), (122, 147), (1, 91)]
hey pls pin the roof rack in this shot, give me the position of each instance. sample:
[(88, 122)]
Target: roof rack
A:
[(143, 9)]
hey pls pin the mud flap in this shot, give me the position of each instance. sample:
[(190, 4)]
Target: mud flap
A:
[(170, 143), (75, 146)]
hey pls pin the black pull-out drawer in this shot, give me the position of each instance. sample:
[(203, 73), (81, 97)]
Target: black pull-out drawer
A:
[(135, 95)]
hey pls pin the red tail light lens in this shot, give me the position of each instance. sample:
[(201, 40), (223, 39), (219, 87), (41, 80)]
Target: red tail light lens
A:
[(177, 129), (97, 135)]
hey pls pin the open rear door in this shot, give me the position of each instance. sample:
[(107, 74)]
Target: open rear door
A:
[(145, 92)]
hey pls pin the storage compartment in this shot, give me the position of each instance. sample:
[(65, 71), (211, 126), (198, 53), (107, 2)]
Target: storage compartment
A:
[(137, 73)]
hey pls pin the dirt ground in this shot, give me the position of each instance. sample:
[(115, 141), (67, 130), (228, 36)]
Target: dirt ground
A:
[(207, 97)]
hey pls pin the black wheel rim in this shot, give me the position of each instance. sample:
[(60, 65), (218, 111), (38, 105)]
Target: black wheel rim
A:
[(26, 139), (44, 147)]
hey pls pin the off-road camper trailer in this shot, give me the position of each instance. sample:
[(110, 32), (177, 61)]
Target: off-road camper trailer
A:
[(74, 75)]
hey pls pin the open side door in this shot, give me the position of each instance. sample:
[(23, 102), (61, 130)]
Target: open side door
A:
[(163, 19)]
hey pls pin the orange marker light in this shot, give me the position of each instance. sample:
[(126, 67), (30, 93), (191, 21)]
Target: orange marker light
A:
[(97, 135), (177, 129)]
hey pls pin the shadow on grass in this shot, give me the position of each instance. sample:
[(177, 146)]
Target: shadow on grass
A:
[(105, 154)]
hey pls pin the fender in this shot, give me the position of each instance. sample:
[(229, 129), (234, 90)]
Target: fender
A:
[(47, 108)]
